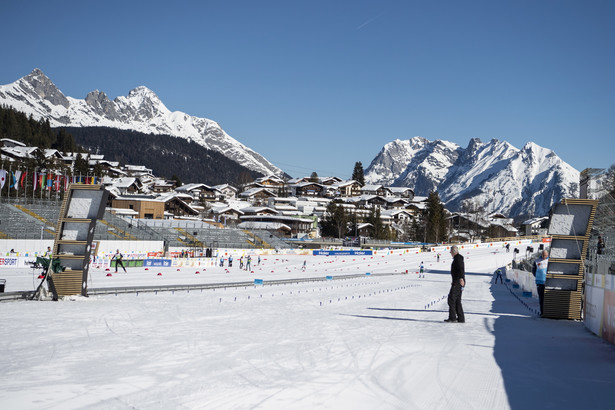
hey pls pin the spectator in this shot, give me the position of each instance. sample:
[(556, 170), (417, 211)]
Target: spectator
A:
[(455, 310), (539, 270)]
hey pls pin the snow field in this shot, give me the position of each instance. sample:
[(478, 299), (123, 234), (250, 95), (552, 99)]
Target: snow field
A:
[(373, 342)]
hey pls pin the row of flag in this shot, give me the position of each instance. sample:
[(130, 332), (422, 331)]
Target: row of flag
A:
[(43, 180)]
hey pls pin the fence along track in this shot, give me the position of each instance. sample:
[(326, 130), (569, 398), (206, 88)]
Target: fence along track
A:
[(24, 295)]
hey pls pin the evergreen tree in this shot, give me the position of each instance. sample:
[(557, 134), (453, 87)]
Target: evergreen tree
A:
[(314, 177), (377, 230), (178, 182), (81, 166), (436, 219), (335, 220), (358, 174)]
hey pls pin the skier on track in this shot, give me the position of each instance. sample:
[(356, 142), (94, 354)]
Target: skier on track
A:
[(118, 260)]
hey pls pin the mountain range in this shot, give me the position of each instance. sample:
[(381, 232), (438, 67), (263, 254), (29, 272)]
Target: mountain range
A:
[(495, 175), (142, 111)]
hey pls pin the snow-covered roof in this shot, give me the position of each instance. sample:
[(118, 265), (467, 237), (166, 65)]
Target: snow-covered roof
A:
[(253, 191), (264, 225), (191, 187), (534, 221), (224, 187), (10, 142)]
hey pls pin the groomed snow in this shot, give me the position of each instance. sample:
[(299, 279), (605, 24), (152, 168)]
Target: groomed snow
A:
[(374, 342)]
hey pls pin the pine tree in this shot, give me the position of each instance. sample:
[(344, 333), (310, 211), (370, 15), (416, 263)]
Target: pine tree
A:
[(358, 174), (314, 177), (436, 219), (335, 221)]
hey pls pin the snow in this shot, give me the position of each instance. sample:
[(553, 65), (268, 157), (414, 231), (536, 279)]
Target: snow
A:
[(373, 342), (141, 111)]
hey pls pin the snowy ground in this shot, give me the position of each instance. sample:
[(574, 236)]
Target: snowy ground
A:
[(375, 342)]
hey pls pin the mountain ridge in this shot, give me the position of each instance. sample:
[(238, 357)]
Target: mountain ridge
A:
[(496, 175), (141, 110)]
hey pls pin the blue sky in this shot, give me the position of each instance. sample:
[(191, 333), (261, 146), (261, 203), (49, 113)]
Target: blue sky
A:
[(318, 85)]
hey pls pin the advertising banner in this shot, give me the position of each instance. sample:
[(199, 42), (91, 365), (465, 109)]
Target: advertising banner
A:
[(9, 262), (157, 262), (318, 252)]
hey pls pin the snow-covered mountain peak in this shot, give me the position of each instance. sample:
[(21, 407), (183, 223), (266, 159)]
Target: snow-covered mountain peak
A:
[(37, 84), (496, 174), (141, 110)]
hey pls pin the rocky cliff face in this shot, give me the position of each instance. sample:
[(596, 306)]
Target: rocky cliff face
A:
[(141, 110), (496, 175)]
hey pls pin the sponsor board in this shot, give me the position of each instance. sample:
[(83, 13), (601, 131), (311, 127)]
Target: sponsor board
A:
[(157, 262), (9, 262), (341, 253)]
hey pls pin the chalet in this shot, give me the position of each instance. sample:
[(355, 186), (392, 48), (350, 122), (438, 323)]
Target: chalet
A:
[(344, 189), (123, 186), (398, 216), (272, 183), (379, 190), (146, 206), (137, 170), (257, 196), (178, 205), (227, 192), (223, 214), (402, 192), (161, 185), (535, 226), (308, 189), (395, 202), (330, 180), (200, 192), (370, 200)]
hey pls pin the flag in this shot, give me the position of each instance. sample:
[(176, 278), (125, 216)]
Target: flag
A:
[(2, 178), (42, 181), (23, 178), (17, 177), (49, 182), (34, 181), (12, 180)]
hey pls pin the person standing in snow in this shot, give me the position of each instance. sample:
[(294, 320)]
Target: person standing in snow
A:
[(118, 260), (422, 270), (248, 262), (498, 275), (230, 261), (458, 275), (539, 269)]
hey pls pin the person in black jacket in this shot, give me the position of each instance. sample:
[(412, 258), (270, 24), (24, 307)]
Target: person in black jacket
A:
[(458, 274)]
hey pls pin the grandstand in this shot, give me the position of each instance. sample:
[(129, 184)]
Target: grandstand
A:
[(37, 220)]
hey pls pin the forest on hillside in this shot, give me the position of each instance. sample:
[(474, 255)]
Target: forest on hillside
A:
[(166, 155)]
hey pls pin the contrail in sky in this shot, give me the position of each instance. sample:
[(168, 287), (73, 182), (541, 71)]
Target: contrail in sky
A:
[(370, 21)]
